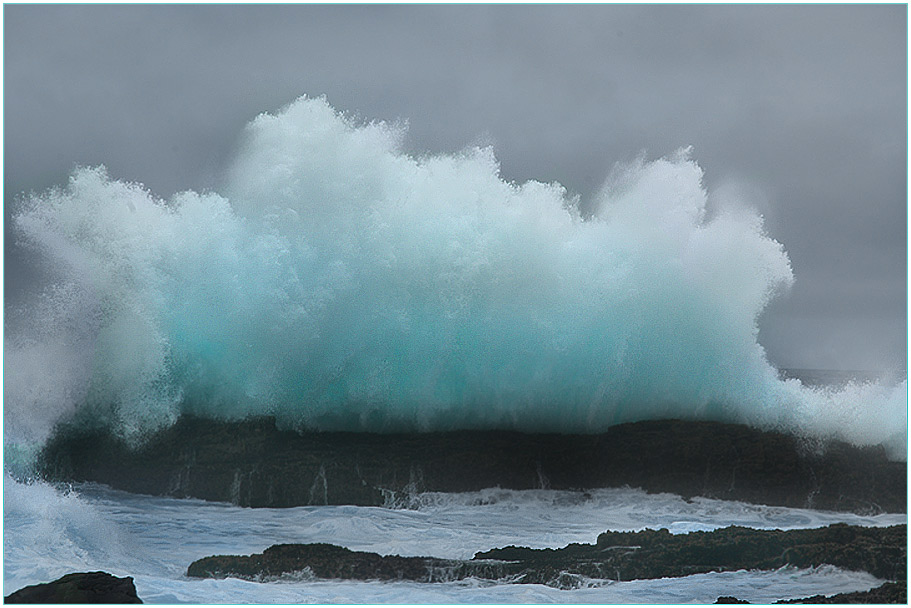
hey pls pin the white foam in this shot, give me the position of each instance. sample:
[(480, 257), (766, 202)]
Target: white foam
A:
[(48, 533)]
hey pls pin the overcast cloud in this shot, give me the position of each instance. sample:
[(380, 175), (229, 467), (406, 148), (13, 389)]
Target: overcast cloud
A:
[(804, 108)]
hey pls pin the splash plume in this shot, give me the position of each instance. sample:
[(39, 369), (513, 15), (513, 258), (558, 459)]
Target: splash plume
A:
[(337, 282)]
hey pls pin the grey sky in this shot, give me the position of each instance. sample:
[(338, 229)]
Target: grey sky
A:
[(803, 106)]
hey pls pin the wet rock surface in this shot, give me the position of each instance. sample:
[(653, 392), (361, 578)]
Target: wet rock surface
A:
[(79, 588), (321, 560), (657, 553), (616, 556), (253, 463)]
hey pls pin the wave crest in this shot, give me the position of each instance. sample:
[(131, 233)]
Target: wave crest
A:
[(341, 283)]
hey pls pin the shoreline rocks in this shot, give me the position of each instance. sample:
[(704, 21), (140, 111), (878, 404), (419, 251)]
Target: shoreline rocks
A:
[(253, 463), (657, 553), (623, 556), (79, 588), (326, 561)]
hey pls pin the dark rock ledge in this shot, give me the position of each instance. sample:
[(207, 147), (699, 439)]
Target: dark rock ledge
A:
[(616, 556), (253, 463), (79, 588), (325, 561)]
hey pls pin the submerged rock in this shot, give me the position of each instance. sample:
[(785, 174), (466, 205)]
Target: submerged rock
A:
[(79, 588), (253, 463), (616, 556)]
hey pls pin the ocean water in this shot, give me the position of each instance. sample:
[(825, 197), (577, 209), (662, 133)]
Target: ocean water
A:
[(49, 532), (337, 282)]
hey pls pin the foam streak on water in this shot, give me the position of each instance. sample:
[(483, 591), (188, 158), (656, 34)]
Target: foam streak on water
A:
[(339, 283), (48, 534)]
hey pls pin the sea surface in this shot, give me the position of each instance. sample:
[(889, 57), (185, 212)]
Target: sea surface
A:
[(51, 531)]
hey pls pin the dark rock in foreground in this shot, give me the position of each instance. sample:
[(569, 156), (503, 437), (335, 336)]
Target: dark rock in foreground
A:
[(616, 556), (887, 593), (653, 554), (326, 561), (79, 588), (252, 463)]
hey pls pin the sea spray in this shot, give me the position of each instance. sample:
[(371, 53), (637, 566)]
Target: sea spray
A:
[(50, 532), (337, 282)]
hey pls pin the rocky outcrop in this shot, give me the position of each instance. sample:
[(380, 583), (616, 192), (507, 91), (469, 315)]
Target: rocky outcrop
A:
[(253, 463), (615, 556), (79, 588), (320, 560), (657, 553)]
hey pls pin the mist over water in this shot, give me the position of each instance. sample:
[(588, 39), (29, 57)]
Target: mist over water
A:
[(339, 283)]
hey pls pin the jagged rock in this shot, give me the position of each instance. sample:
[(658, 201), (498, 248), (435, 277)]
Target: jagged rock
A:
[(79, 588), (253, 463), (658, 553), (616, 556), (727, 599)]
